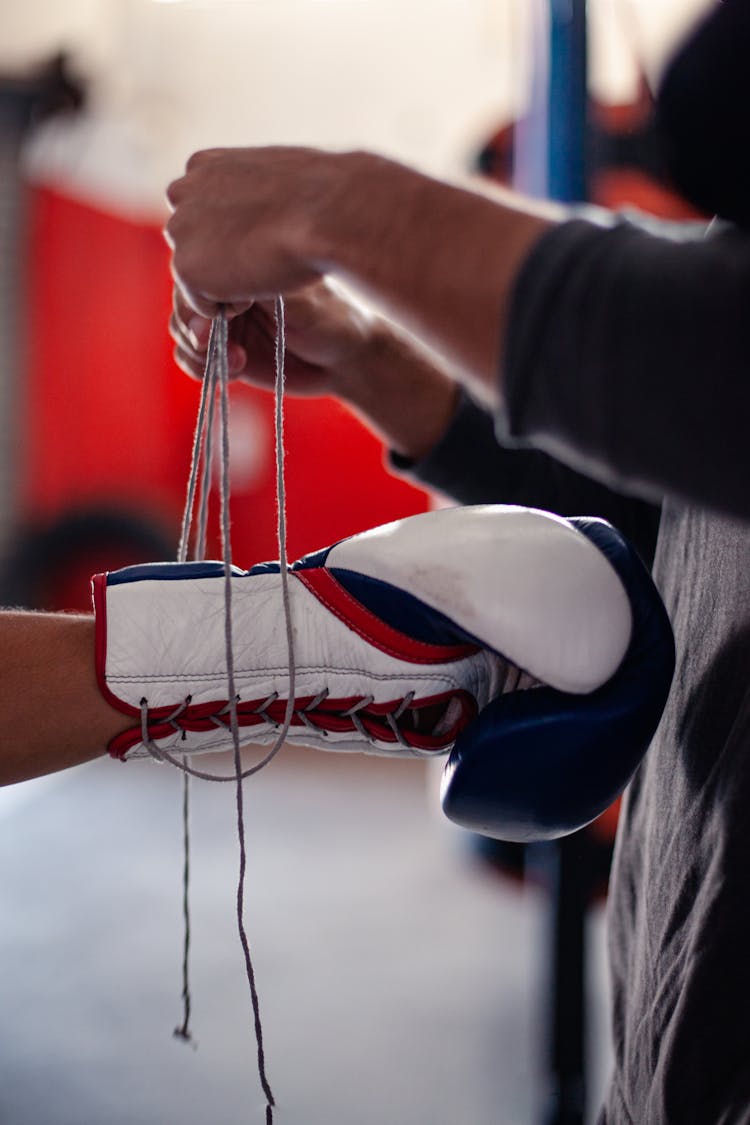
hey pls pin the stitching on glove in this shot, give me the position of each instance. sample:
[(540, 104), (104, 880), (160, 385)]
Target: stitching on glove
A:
[(181, 721)]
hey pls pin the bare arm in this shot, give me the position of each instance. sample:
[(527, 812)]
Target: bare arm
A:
[(440, 261), (54, 715), (403, 394)]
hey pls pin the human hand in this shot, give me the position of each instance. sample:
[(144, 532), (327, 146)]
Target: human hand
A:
[(333, 345), (247, 223), (325, 332), (439, 261)]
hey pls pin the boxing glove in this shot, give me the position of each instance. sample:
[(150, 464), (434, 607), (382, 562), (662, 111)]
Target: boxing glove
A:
[(403, 636), (540, 764)]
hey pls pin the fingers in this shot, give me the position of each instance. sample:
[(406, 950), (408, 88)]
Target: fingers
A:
[(185, 353), (191, 332), (241, 225), (197, 255), (205, 303), (192, 327), (205, 213), (178, 188)]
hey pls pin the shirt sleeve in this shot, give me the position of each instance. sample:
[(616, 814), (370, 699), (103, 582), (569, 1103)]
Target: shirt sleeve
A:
[(469, 466), (628, 357)]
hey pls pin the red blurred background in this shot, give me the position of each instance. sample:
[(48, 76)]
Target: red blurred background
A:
[(106, 448)]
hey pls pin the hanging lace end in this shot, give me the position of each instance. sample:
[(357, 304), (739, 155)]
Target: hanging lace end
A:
[(186, 1036)]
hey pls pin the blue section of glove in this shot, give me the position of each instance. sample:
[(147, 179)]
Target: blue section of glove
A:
[(539, 764), (169, 572), (307, 562), (391, 604), (403, 611)]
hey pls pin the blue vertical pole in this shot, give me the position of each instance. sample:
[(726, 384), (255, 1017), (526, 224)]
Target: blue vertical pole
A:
[(567, 100), (550, 161), (568, 859)]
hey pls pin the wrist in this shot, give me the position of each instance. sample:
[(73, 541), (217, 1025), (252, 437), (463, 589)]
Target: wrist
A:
[(363, 213), (439, 259), (399, 390)]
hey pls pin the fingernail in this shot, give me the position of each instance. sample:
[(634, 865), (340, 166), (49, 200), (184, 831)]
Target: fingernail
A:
[(198, 328)]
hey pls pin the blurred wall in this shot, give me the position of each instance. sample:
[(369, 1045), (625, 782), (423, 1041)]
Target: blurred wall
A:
[(106, 419), (420, 81)]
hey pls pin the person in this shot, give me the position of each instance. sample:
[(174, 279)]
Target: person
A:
[(605, 354)]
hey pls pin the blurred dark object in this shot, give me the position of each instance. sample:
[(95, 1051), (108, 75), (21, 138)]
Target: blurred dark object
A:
[(40, 91), (702, 115), (50, 564), (626, 159), (623, 135), (524, 864), (627, 163)]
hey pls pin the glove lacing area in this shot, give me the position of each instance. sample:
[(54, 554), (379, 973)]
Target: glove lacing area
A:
[(436, 723), (425, 728)]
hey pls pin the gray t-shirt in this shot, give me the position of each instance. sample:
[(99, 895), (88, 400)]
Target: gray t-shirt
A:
[(628, 361)]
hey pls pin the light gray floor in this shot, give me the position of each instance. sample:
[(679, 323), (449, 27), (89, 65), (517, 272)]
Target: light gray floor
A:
[(399, 983)]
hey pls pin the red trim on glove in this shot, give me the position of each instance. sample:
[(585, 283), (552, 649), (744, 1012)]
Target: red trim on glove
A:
[(327, 716), (330, 593)]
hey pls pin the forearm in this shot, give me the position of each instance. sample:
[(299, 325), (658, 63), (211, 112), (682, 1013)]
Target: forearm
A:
[(248, 224), (54, 715), (648, 391), (401, 392), (440, 260)]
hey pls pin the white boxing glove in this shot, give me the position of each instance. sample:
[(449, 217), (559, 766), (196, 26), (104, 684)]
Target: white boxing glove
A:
[(402, 635)]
